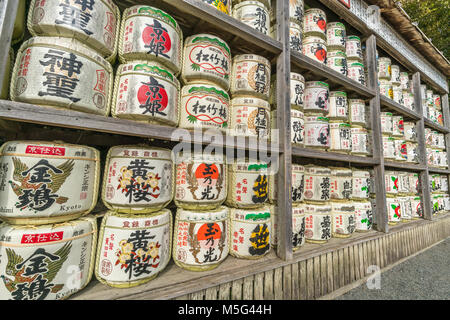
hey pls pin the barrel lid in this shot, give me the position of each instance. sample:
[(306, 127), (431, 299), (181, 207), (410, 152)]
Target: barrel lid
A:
[(249, 101), (317, 84), (297, 76), (115, 218), (338, 93), (153, 12), (313, 39), (315, 10), (134, 151), (238, 3), (198, 156), (251, 215), (147, 67), (356, 64), (335, 25), (353, 38), (205, 87), (249, 57), (207, 38), (219, 214)]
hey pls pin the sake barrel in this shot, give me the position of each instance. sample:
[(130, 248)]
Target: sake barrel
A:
[(446, 199), (250, 117), (416, 207), (389, 151), (386, 119), (435, 183), (431, 113), (317, 132), (95, 23), (435, 204), (437, 101), (146, 92), (296, 8), (297, 127), (48, 262), (341, 184), (343, 219), (148, 33), (357, 113), (315, 47), (397, 94), (133, 248), (298, 226), (201, 238), (360, 141), (363, 216), (384, 68), (386, 89), (429, 97), (206, 57), (250, 75), (410, 131), (138, 179), (250, 232), (430, 156), (394, 210), (403, 183), (404, 81), (315, 23), (398, 129), (62, 73), (336, 35), (412, 149), (356, 72), (204, 106), (254, 14), (401, 151), (444, 183), (395, 74), (337, 60), (360, 184), (441, 141), (317, 223), (413, 183), (338, 106), (317, 184), (298, 183), (221, 5), (316, 97), (440, 117), (47, 182), (340, 137), (297, 90), (201, 181), (405, 208), (408, 100), (391, 182), (295, 35), (433, 139), (248, 185), (428, 137), (353, 48)]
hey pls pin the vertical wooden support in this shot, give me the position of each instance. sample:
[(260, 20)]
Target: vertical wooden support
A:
[(377, 143), (424, 177), (8, 12), (446, 114), (284, 216)]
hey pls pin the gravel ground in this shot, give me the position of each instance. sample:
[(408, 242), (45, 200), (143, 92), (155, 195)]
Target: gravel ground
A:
[(424, 277)]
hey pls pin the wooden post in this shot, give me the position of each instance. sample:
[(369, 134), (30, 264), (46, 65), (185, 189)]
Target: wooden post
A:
[(8, 12), (377, 143)]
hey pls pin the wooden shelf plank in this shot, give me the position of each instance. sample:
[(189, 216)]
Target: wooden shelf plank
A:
[(398, 108), (318, 154), (332, 77), (435, 126), (404, 165), (438, 170), (25, 112)]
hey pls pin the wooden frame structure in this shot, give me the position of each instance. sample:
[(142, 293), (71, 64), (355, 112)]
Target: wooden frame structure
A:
[(294, 273)]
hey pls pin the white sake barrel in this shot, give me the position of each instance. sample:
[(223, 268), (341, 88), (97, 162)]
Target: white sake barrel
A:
[(204, 106), (317, 184), (412, 149), (413, 183), (437, 101), (47, 182), (404, 81), (250, 76), (405, 208), (357, 112), (403, 183), (341, 184), (363, 216), (206, 57), (315, 23), (201, 238), (48, 262), (297, 90), (395, 74), (435, 183), (416, 207), (340, 137), (429, 97), (254, 14), (356, 72), (394, 210), (410, 131), (295, 35), (384, 68), (398, 129), (138, 179), (201, 181), (431, 111), (360, 141), (389, 151), (95, 23), (250, 117), (408, 100), (248, 184), (441, 141), (336, 35), (440, 117), (386, 88), (133, 248), (435, 204), (444, 183), (397, 94), (428, 137), (316, 97), (224, 6), (317, 223), (353, 48), (298, 183), (62, 73), (391, 182), (338, 106), (337, 60), (297, 127), (148, 33), (401, 149), (360, 184), (146, 92), (446, 199), (430, 156), (298, 226), (343, 219), (317, 132), (386, 119), (296, 9), (250, 232), (315, 47)]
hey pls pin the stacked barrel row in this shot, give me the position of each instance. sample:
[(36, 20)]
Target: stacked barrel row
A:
[(440, 199), (400, 141)]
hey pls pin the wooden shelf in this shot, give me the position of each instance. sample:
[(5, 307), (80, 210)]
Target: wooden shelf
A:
[(333, 78), (25, 112), (318, 154), (435, 126), (398, 108), (404, 165), (438, 170)]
